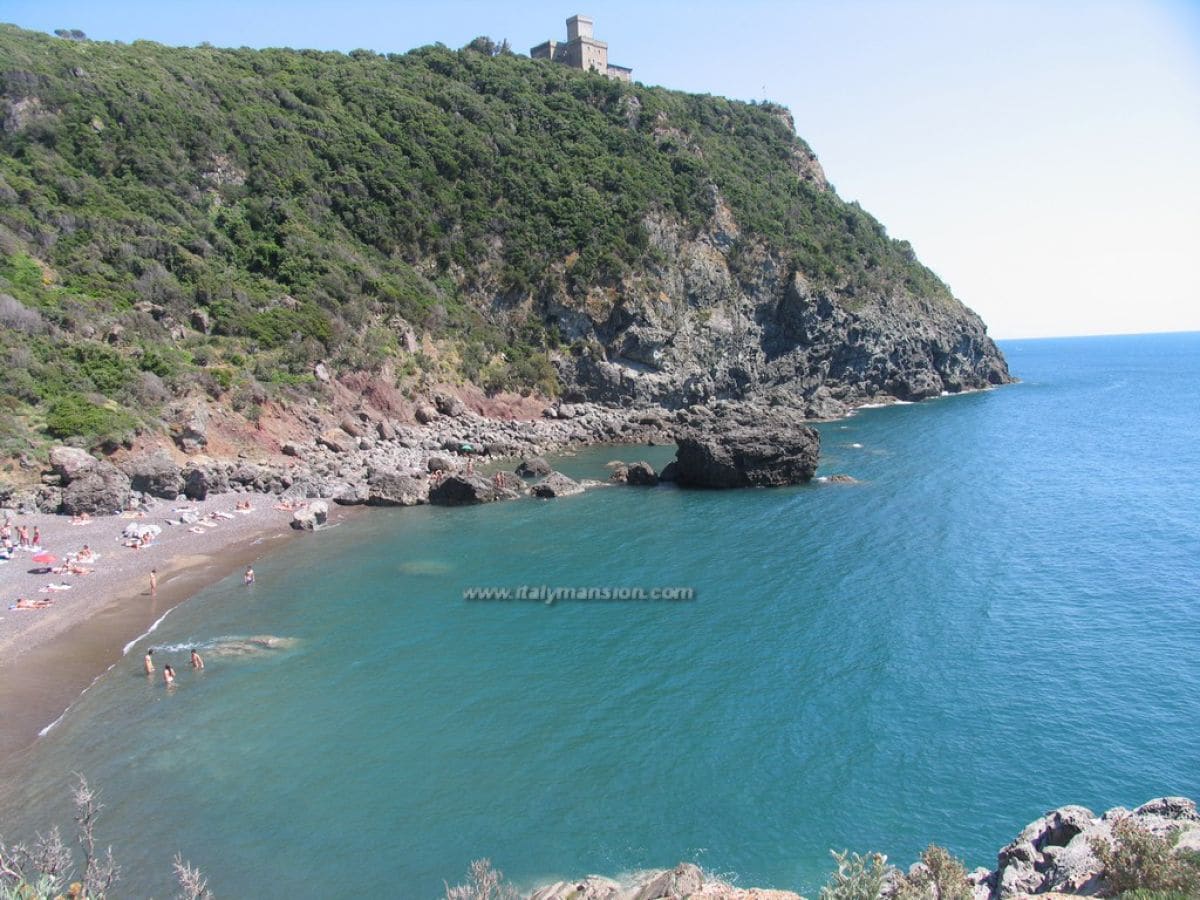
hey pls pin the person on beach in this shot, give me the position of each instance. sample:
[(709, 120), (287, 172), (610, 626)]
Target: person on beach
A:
[(25, 603), (153, 582), (168, 674), (197, 662), (86, 554), (248, 578), (37, 538), (148, 662), (22, 537)]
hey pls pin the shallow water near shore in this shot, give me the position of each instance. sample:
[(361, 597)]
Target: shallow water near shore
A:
[(1001, 618)]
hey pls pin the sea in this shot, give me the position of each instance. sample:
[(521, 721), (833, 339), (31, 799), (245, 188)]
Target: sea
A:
[(1001, 617)]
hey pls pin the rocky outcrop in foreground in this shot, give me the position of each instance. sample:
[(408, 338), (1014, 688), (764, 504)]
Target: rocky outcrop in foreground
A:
[(746, 446), (1054, 856)]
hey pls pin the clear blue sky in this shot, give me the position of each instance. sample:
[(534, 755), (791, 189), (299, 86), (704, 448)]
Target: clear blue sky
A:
[(1042, 157)]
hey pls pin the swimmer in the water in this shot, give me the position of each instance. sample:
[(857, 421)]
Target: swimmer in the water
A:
[(148, 663), (168, 675), (197, 662), (248, 578)]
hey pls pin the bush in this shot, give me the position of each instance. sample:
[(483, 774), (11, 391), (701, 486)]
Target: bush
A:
[(1140, 863), (857, 877), (939, 877), (74, 415)]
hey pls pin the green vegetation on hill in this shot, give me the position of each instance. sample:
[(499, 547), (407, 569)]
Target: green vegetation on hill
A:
[(175, 217)]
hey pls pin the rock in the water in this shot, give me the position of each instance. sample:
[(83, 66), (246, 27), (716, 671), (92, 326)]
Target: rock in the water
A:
[(670, 472), (389, 488), (556, 484), (747, 447), (311, 517), (155, 474), (99, 489), (641, 473), (463, 490), (534, 467)]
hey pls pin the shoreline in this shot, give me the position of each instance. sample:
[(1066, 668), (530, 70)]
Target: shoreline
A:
[(50, 657)]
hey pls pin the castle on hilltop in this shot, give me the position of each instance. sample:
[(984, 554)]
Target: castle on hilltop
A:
[(581, 51)]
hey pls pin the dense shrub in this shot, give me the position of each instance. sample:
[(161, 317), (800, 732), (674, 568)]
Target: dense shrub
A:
[(1140, 863), (74, 415)]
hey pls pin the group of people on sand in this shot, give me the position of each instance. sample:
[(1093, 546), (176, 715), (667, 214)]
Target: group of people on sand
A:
[(169, 670), (26, 603), (13, 538)]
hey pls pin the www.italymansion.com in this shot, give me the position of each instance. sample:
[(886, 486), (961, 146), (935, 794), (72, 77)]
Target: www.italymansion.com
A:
[(541, 593)]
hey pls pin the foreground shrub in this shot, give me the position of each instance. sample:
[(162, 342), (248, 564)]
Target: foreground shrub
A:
[(857, 877), (938, 877), (1139, 863), (483, 883), (46, 870)]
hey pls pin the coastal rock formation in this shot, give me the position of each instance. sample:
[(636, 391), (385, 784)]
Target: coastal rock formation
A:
[(391, 488), (745, 446), (311, 517), (641, 474), (155, 474), (464, 490), (556, 484), (1055, 853), (101, 488), (535, 467), (686, 880)]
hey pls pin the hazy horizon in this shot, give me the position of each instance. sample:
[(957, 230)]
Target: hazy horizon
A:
[(1039, 158)]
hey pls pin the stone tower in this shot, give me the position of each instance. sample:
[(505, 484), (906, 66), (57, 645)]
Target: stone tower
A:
[(581, 50)]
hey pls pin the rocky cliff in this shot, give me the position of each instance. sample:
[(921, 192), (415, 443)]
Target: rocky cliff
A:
[(257, 229)]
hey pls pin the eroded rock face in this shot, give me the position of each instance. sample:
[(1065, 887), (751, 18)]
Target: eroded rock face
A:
[(100, 489), (744, 446), (69, 462), (155, 474)]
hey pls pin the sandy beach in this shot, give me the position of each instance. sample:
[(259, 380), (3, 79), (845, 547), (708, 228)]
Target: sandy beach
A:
[(49, 655)]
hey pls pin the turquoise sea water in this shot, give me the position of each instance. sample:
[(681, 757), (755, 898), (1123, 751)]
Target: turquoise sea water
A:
[(1002, 618)]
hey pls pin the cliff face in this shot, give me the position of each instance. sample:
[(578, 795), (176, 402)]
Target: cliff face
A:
[(717, 321), (263, 225)]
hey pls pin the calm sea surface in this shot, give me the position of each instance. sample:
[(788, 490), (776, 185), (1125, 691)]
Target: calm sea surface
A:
[(1002, 618)]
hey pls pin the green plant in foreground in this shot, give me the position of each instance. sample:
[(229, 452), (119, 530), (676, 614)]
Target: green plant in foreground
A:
[(1138, 863), (857, 877), (940, 876)]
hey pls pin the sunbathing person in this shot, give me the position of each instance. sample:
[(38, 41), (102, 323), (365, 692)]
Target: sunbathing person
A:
[(23, 603)]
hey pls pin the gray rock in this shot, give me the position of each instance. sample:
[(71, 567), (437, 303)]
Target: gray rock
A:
[(642, 474), (189, 429), (289, 448), (449, 406), (311, 517), (155, 474), (425, 413), (352, 427), (683, 881), (98, 489), (593, 887), (385, 430), (1018, 878), (1178, 808), (336, 440), (200, 321), (68, 462), (439, 464), (745, 447), (670, 472), (463, 490), (390, 488), (200, 481), (534, 467), (556, 484)]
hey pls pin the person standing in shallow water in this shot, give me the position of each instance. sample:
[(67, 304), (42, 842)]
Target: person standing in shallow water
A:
[(249, 576), (153, 582), (168, 674), (197, 662), (148, 662)]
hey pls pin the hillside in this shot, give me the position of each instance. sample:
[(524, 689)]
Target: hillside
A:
[(256, 226)]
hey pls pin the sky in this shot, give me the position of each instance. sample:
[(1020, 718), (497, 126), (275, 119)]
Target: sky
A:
[(1042, 157)]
